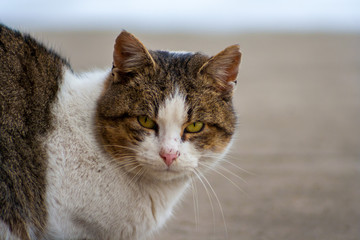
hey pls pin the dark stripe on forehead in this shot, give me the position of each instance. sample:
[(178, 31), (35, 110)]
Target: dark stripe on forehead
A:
[(189, 113)]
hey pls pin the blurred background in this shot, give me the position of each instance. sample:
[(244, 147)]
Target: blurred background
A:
[(294, 170), (185, 16)]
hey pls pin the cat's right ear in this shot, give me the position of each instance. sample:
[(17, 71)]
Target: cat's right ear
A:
[(129, 56)]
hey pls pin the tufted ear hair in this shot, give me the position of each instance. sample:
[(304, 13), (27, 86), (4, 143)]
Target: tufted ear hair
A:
[(130, 55), (223, 68)]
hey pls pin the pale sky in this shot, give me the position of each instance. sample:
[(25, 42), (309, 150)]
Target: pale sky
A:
[(184, 15)]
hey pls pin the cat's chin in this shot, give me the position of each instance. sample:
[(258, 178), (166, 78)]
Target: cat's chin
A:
[(166, 176), (164, 173)]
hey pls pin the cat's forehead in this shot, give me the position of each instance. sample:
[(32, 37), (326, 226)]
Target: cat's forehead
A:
[(176, 72), (173, 110), (171, 54), (189, 62)]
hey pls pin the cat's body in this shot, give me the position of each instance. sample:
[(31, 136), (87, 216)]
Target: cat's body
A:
[(106, 154)]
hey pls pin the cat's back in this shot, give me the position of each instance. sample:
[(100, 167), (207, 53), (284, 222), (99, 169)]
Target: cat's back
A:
[(30, 76)]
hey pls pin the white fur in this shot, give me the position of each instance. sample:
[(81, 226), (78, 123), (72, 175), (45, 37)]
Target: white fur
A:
[(179, 52), (5, 233), (171, 119), (172, 115), (87, 196)]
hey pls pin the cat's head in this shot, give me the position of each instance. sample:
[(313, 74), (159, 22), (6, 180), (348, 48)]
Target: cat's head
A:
[(164, 114)]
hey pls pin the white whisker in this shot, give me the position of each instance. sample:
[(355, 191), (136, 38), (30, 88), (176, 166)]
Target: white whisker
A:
[(124, 147), (196, 203), (231, 173), (209, 155), (135, 178), (221, 174), (197, 173), (218, 201), (240, 168)]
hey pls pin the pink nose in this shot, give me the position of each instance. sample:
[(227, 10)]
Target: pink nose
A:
[(169, 158)]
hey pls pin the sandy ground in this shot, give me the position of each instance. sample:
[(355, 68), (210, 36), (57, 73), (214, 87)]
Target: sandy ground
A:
[(298, 100)]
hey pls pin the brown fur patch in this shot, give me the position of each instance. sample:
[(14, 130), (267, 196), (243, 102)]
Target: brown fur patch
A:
[(29, 81)]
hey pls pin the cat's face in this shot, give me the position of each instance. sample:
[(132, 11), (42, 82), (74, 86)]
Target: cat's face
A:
[(165, 114)]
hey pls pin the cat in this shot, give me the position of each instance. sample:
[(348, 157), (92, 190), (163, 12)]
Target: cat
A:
[(106, 154)]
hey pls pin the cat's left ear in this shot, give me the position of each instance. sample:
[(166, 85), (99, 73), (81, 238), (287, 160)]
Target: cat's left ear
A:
[(223, 68), (130, 55)]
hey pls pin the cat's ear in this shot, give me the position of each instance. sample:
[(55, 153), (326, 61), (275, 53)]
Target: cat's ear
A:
[(130, 55), (223, 68)]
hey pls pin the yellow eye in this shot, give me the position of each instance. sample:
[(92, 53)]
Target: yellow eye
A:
[(146, 122), (194, 127)]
